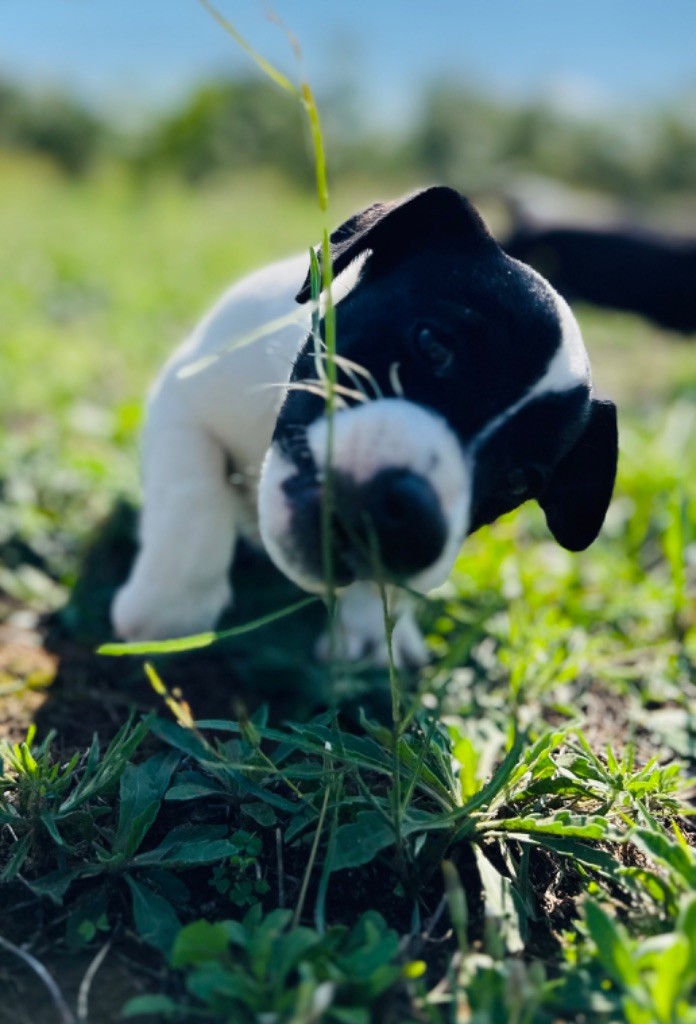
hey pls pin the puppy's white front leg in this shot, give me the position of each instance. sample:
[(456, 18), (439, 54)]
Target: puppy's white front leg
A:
[(360, 631), (179, 583)]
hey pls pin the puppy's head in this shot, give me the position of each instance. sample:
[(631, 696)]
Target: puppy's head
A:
[(479, 398)]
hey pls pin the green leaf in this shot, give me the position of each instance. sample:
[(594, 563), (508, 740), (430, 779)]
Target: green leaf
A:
[(202, 787), (562, 824), (194, 643), (673, 854), (687, 925), (669, 967), (50, 825), (614, 951), (55, 885), (142, 789), (20, 852), (155, 918), (361, 841), (231, 992), (501, 777), (146, 1006), (590, 856), (261, 813), (101, 776), (199, 942), (294, 946), (189, 845), (185, 740), (500, 905)]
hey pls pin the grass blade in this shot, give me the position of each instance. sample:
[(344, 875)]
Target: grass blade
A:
[(192, 643)]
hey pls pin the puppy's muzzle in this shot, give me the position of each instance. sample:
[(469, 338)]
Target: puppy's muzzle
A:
[(391, 525), (398, 498), (394, 522)]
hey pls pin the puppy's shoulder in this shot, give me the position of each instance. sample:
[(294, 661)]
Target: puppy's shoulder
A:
[(257, 299), (226, 376)]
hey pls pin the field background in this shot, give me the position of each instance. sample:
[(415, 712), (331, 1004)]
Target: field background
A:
[(113, 244)]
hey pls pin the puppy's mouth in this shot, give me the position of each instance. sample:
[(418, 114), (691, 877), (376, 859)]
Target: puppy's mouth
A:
[(396, 503), (390, 527)]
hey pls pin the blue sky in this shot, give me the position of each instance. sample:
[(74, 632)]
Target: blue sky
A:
[(142, 53)]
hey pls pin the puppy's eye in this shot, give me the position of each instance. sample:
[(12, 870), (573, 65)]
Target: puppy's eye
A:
[(523, 482), (436, 349)]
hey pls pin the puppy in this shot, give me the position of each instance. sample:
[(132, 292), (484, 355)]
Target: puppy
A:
[(480, 398)]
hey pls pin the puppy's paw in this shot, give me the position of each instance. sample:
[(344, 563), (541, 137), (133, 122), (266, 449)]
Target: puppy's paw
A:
[(359, 636), (410, 650), (140, 613)]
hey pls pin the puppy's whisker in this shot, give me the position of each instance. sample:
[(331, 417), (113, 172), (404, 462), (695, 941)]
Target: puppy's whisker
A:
[(353, 369), (355, 380), (319, 359), (395, 380), (271, 385), (315, 388)]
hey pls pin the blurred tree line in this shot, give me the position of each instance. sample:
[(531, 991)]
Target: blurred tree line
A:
[(458, 136), (54, 125)]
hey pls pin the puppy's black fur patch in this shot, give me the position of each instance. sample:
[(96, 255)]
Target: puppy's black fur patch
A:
[(469, 332)]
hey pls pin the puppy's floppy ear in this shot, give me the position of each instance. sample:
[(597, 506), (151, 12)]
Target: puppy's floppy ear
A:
[(576, 498), (393, 228)]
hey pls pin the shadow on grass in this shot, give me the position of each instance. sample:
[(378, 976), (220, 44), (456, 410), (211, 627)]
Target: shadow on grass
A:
[(273, 665), (95, 694)]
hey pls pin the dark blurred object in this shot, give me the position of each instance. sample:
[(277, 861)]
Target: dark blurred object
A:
[(610, 261)]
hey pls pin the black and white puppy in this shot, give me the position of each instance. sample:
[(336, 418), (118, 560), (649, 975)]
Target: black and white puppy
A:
[(482, 400)]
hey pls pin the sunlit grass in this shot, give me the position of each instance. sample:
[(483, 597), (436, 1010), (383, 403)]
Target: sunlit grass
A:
[(541, 762)]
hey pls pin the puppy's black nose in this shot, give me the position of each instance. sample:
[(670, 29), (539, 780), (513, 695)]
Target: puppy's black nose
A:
[(402, 512)]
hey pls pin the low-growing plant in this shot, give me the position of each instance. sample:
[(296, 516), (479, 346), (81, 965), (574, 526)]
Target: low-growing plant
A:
[(263, 968), (240, 878)]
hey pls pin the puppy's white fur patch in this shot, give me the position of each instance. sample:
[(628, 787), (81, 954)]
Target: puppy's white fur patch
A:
[(568, 368), (359, 628), (197, 428), (275, 517)]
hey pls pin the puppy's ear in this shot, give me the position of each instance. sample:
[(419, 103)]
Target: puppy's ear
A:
[(394, 228), (576, 498)]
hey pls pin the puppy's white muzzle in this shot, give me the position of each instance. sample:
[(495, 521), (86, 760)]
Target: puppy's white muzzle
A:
[(379, 437)]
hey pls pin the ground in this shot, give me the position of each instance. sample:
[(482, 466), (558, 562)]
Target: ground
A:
[(545, 756)]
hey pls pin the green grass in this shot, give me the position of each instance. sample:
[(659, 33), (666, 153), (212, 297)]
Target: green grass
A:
[(99, 280), (519, 849)]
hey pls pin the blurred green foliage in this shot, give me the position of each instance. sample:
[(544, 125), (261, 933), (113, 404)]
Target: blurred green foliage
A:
[(458, 135), (228, 126), (639, 156), (54, 125)]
